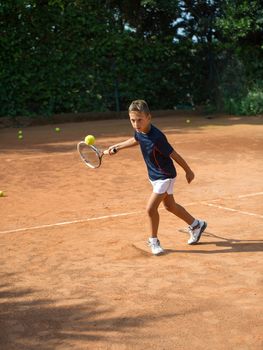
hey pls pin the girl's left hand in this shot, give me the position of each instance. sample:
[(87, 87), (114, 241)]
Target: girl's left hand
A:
[(189, 176)]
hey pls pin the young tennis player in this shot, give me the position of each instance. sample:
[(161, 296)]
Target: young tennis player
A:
[(159, 155)]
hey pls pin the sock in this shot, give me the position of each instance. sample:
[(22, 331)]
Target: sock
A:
[(153, 239), (195, 223)]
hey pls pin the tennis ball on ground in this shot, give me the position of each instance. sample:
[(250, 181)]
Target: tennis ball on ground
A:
[(20, 132), (57, 129), (188, 121), (20, 137), (2, 194), (89, 140)]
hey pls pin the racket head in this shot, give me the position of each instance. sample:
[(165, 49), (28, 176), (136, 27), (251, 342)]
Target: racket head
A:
[(89, 154)]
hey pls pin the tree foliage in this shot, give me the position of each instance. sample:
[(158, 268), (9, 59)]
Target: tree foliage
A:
[(78, 55)]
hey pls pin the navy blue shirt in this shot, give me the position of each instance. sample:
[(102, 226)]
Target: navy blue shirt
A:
[(156, 152)]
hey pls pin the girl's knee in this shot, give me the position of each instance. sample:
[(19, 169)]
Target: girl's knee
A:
[(172, 207), (168, 207), (151, 210)]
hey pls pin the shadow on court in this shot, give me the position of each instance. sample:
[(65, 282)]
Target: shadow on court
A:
[(228, 245), (28, 322)]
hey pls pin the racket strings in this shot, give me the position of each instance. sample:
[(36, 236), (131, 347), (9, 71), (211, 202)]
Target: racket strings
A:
[(89, 155)]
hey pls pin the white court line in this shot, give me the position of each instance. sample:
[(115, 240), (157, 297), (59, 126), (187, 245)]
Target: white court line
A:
[(78, 221), (250, 195), (240, 196), (70, 222), (231, 209), (126, 214)]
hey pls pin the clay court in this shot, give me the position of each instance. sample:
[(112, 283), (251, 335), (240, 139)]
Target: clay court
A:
[(75, 269)]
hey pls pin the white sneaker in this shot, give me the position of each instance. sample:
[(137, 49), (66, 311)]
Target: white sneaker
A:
[(155, 247), (196, 232)]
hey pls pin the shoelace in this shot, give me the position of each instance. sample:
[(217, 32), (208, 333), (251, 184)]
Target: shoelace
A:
[(194, 228), (151, 244)]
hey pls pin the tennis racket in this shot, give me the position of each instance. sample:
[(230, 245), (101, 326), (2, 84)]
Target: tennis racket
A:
[(91, 155)]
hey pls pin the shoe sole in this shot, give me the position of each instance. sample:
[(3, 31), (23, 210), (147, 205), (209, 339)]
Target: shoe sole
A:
[(200, 234), (161, 253)]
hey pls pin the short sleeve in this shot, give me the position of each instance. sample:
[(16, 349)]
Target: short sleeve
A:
[(164, 146)]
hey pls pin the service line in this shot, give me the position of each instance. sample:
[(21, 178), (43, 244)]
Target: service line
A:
[(64, 223), (231, 209), (70, 222), (104, 217)]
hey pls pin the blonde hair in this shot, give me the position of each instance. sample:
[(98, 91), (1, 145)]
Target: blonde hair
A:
[(139, 106)]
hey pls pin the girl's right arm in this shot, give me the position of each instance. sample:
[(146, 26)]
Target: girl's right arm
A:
[(125, 144)]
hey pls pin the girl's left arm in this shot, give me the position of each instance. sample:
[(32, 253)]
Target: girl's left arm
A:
[(179, 160)]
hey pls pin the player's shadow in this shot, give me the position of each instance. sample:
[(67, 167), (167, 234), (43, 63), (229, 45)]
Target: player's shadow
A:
[(227, 245)]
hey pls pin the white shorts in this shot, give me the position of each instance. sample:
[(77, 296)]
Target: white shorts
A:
[(163, 186)]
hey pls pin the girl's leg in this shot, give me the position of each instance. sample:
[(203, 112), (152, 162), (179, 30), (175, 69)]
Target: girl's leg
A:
[(152, 211), (176, 209)]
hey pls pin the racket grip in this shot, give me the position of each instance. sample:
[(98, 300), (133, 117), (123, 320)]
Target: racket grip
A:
[(113, 151)]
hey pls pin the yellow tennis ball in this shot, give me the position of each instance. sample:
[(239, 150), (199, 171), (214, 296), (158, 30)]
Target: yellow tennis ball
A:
[(2, 194), (57, 129), (188, 121), (89, 140), (20, 137)]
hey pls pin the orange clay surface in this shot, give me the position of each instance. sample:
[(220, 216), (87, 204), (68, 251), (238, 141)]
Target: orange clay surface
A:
[(75, 269)]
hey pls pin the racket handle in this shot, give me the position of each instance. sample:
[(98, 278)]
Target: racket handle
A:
[(112, 151)]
